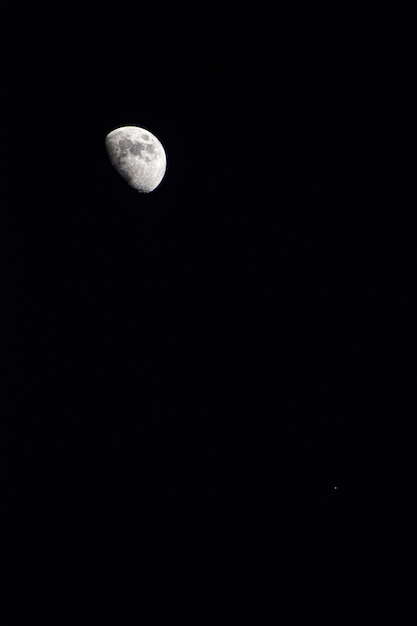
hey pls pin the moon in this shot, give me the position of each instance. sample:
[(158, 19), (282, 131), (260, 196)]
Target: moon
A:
[(138, 156)]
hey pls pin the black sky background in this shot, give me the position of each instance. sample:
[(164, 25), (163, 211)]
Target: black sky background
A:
[(186, 376)]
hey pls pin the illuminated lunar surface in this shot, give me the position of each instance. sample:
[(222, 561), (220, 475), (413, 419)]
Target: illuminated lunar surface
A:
[(138, 156)]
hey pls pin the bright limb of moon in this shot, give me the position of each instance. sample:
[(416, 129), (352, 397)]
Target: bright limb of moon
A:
[(138, 156)]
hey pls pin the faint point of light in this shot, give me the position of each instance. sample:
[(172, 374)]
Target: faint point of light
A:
[(335, 487)]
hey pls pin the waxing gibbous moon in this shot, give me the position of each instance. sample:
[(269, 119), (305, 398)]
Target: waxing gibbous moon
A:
[(138, 156)]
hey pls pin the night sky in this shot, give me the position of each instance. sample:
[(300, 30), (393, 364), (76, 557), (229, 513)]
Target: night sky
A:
[(205, 404)]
